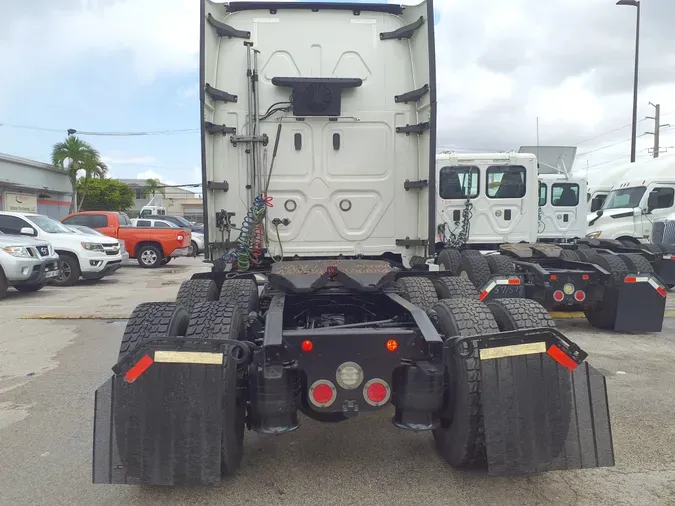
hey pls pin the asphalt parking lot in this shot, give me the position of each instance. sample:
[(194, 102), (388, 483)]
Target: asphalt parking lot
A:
[(50, 368)]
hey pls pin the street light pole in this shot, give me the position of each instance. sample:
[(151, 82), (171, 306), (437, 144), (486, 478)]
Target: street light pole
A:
[(633, 141)]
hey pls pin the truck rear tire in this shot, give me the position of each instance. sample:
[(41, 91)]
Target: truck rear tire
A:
[(637, 263), (70, 270), (474, 267), (571, 255), (516, 314), (450, 259), (585, 254), (148, 320), (656, 249), (451, 287), (194, 291), (223, 320), (153, 319), (243, 292), (501, 265), (149, 256), (460, 439), (418, 290)]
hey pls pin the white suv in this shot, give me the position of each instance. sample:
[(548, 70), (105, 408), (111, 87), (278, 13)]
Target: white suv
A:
[(86, 256), (26, 264)]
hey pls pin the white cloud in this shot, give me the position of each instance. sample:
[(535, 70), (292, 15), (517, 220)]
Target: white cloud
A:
[(150, 174)]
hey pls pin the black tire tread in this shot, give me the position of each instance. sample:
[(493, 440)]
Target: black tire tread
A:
[(194, 291), (3, 284), (150, 319), (30, 288), (585, 254), (612, 263), (656, 249), (223, 319), (450, 287), (418, 290), (499, 264), (470, 317), (516, 314), (637, 263), (450, 259), (568, 254), (476, 267), (243, 291)]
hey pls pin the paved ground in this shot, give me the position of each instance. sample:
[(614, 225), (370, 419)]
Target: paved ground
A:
[(49, 370)]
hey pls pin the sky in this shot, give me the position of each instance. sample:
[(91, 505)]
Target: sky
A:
[(132, 65)]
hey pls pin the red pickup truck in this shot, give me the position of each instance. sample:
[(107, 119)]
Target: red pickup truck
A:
[(151, 247)]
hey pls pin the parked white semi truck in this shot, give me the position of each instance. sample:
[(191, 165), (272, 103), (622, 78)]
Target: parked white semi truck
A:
[(318, 143), (490, 203)]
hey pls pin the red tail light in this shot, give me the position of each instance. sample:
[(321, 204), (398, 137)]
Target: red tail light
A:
[(307, 345), (558, 295), (580, 295), (376, 392), (180, 237), (322, 393)]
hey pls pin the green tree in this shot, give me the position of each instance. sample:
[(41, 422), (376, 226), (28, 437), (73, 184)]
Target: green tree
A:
[(93, 168), (72, 155), (105, 195), (152, 187)]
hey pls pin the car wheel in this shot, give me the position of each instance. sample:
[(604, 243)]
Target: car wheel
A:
[(195, 249), (149, 256), (30, 288), (3, 284), (70, 270)]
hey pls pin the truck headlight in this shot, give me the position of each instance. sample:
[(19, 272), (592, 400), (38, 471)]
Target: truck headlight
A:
[(17, 251), (593, 235), (92, 246)]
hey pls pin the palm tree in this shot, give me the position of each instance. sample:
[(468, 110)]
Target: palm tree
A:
[(153, 186), (71, 155), (93, 167)]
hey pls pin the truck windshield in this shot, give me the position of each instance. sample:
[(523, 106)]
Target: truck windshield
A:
[(625, 197), (49, 225)]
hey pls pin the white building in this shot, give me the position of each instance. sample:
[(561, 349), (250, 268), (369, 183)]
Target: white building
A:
[(34, 187)]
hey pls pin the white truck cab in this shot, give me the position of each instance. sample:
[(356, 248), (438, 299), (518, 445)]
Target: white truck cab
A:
[(646, 193), (86, 256), (498, 190), (562, 207)]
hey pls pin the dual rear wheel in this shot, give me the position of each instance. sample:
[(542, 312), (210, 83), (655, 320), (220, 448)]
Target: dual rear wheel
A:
[(201, 312)]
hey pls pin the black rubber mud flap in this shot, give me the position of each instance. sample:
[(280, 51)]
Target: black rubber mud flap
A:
[(538, 416), (164, 428), (641, 304)]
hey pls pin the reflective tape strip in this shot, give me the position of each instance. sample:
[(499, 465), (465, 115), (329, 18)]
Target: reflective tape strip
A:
[(188, 357), (669, 257), (662, 291), (636, 279), (510, 281), (512, 351)]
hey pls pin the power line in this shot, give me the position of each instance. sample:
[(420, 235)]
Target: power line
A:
[(605, 147), (72, 131), (607, 161)]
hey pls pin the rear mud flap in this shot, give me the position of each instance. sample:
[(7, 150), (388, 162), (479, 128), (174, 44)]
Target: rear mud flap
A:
[(640, 304), (163, 429), (538, 416)]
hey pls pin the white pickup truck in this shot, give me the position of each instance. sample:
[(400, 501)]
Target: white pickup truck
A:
[(26, 264), (86, 256)]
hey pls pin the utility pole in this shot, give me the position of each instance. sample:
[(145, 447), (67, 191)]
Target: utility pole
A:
[(657, 127), (634, 3)]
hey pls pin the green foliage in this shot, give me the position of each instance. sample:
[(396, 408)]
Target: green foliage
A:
[(105, 195), (76, 155), (152, 187)]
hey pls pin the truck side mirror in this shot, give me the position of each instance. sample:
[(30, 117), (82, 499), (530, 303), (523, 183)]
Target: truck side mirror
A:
[(28, 231)]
